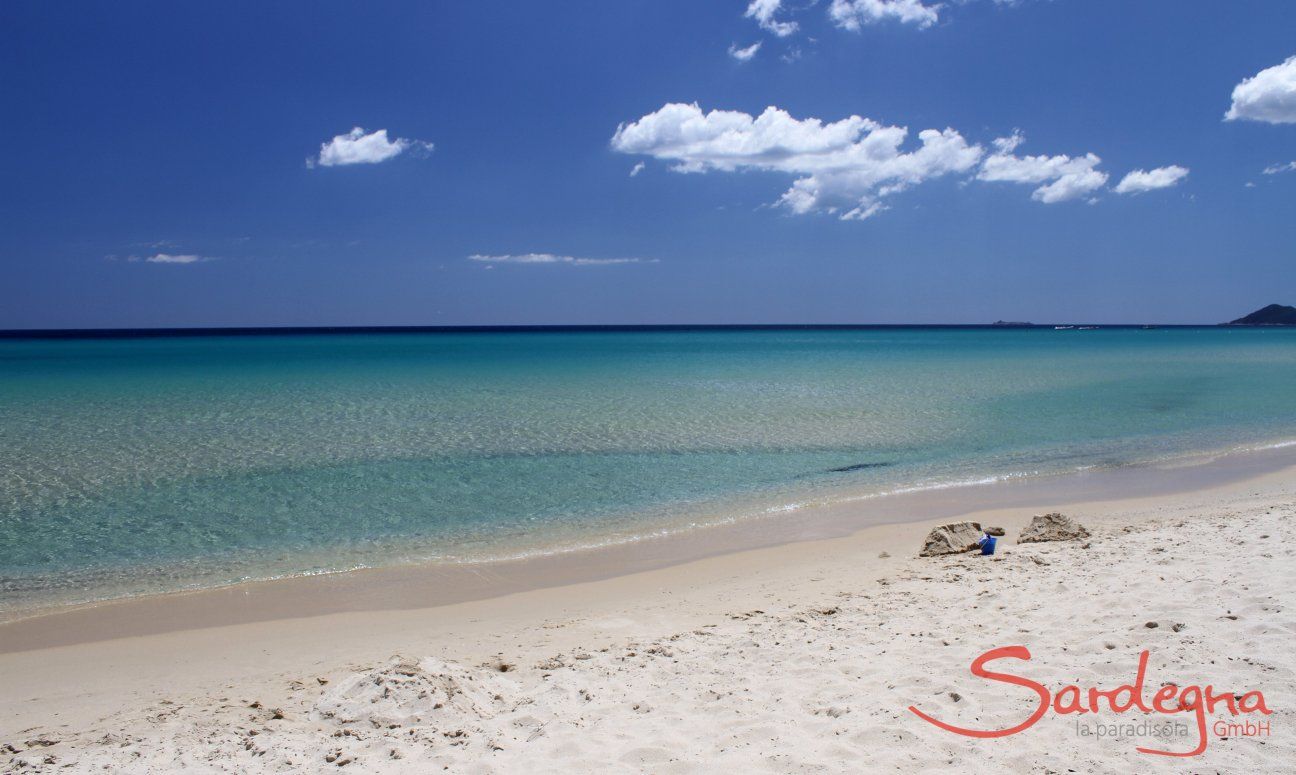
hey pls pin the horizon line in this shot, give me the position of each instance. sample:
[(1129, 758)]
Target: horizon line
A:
[(164, 331)]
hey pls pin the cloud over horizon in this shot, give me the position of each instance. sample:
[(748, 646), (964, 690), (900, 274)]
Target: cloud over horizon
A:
[(176, 259), (1268, 96), (171, 258), (551, 259), (359, 147)]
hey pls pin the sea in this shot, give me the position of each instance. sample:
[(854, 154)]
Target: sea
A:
[(141, 464)]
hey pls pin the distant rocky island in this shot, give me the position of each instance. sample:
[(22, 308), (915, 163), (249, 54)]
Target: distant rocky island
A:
[(1272, 315)]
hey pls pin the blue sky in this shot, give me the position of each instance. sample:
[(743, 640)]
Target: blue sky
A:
[(191, 134)]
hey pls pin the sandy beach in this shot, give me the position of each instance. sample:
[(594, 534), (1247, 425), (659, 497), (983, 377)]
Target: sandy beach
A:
[(804, 656), (501, 388)]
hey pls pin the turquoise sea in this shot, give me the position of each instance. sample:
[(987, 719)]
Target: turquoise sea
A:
[(137, 465)]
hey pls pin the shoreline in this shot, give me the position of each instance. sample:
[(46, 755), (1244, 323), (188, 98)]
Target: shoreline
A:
[(740, 512), (179, 683), (425, 585)]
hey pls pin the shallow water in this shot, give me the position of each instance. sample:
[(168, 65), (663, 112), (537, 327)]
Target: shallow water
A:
[(141, 465)]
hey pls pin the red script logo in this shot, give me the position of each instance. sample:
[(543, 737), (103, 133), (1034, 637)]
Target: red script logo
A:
[(1169, 699)]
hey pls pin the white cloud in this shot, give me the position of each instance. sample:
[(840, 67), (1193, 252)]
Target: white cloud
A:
[(167, 258), (552, 259), (843, 167), (357, 147), (1269, 95), (1064, 177), (1140, 181), (744, 54), (636, 169), (850, 167), (170, 258), (852, 14), (173, 258), (1274, 169), (763, 12)]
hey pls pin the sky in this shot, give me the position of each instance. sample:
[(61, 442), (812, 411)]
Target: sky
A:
[(463, 163)]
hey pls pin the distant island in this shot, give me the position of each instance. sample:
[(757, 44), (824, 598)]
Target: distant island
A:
[(1272, 315)]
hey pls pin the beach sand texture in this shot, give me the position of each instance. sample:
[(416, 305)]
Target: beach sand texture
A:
[(802, 658)]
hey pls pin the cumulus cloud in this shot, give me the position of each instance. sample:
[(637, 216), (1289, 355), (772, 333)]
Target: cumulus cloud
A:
[(636, 169), (853, 14), (1140, 181), (744, 54), (1269, 96), (555, 260), (1274, 169), (843, 167), (1063, 177), (763, 11), (359, 147), (850, 167)]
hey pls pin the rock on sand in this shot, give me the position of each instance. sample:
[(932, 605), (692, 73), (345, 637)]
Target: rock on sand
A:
[(953, 538)]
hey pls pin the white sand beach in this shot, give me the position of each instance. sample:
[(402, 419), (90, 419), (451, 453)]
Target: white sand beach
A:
[(803, 657), (648, 388)]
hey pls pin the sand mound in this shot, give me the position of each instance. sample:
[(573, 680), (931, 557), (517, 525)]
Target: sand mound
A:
[(406, 693), (1052, 527)]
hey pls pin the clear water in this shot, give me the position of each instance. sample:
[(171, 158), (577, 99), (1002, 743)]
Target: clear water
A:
[(130, 466)]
